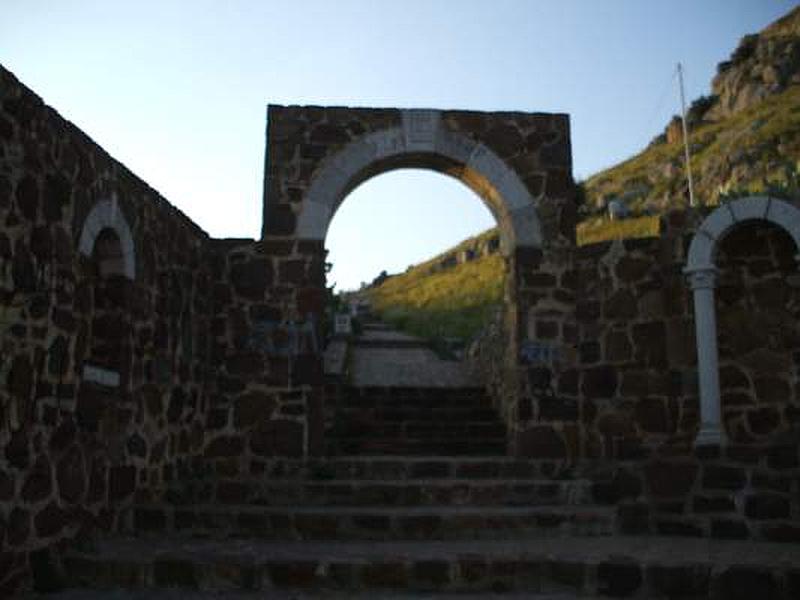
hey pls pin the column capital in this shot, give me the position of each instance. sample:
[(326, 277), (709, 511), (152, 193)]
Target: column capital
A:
[(702, 277)]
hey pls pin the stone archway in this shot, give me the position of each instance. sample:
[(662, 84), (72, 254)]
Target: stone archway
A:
[(422, 142), (519, 164), (702, 273)]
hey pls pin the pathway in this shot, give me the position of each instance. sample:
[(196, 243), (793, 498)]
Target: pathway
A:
[(387, 358)]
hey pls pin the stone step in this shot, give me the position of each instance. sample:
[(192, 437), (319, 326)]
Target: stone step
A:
[(173, 593), (412, 397), (421, 492), (385, 342), (419, 414), (425, 414), (458, 446), (418, 429), (615, 566), (404, 468), (373, 523)]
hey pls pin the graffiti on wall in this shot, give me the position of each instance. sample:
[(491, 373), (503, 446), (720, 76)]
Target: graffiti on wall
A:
[(538, 353), (284, 338)]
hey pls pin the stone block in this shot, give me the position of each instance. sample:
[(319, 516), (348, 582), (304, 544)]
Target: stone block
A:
[(599, 382), (729, 529), (670, 479), (785, 533), (278, 438), (251, 278), (713, 504), (541, 442), (121, 482), (649, 340), (718, 477), (745, 583), (176, 573), (682, 528), (764, 420), (621, 305), (39, 482), (619, 578), (50, 521), (279, 219), (631, 269), (431, 574), (146, 519), (784, 456), (767, 506), (245, 364), (385, 575), (559, 409), (653, 416), (71, 476), (679, 581), (224, 446)]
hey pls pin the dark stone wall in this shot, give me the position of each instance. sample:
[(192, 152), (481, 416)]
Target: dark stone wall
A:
[(218, 349), (74, 453), (631, 392), (758, 314), (628, 410)]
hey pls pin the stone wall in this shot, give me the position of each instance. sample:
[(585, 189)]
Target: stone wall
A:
[(632, 390), (266, 399), (630, 401), (138, 355), (102, 364), (758, 315)]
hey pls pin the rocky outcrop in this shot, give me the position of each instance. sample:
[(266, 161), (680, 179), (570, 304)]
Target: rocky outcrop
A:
[(762, 65), (744, 137)]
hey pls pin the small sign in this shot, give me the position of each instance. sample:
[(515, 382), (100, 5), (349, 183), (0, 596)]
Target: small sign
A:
[(342, 325), (101, 375), (538, 353)]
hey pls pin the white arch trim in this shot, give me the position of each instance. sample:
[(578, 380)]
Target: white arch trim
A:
[(422, 133), (106, 214), (702, 271)]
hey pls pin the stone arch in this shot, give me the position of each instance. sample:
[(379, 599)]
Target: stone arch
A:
[(422, 142), (106, 215), (702, 273)]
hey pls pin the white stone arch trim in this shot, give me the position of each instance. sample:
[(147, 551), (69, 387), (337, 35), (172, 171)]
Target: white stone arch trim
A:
[(106, 214), (702, 273), (422, 132)]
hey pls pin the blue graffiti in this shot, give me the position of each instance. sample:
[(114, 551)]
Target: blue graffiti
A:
[(537, 353), (284, 338)]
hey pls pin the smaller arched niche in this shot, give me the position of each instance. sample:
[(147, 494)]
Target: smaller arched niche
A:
[(702, 273), (106, 240), (107, 237)]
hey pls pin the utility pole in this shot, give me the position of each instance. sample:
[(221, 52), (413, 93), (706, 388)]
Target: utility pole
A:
[(687, 156)]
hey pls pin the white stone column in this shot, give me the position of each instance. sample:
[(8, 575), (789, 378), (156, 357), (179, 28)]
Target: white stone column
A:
[(703, 281)]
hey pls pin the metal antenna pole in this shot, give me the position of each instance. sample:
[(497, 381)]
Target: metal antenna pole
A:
[(687, 156)]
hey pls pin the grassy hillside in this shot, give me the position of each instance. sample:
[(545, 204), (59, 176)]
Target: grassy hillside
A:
[(750, 150), (745, 138), (437, 303)]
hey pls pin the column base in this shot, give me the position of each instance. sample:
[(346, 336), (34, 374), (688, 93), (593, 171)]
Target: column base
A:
[(709, 435)]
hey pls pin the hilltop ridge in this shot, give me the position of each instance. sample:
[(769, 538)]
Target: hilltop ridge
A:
[(744, 136)]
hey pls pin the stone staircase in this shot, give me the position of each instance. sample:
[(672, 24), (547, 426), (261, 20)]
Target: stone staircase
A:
[(414, 422), (363, 526), (415, 498)]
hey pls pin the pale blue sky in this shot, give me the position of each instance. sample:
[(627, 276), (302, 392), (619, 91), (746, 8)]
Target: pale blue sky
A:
[(177, 90)]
